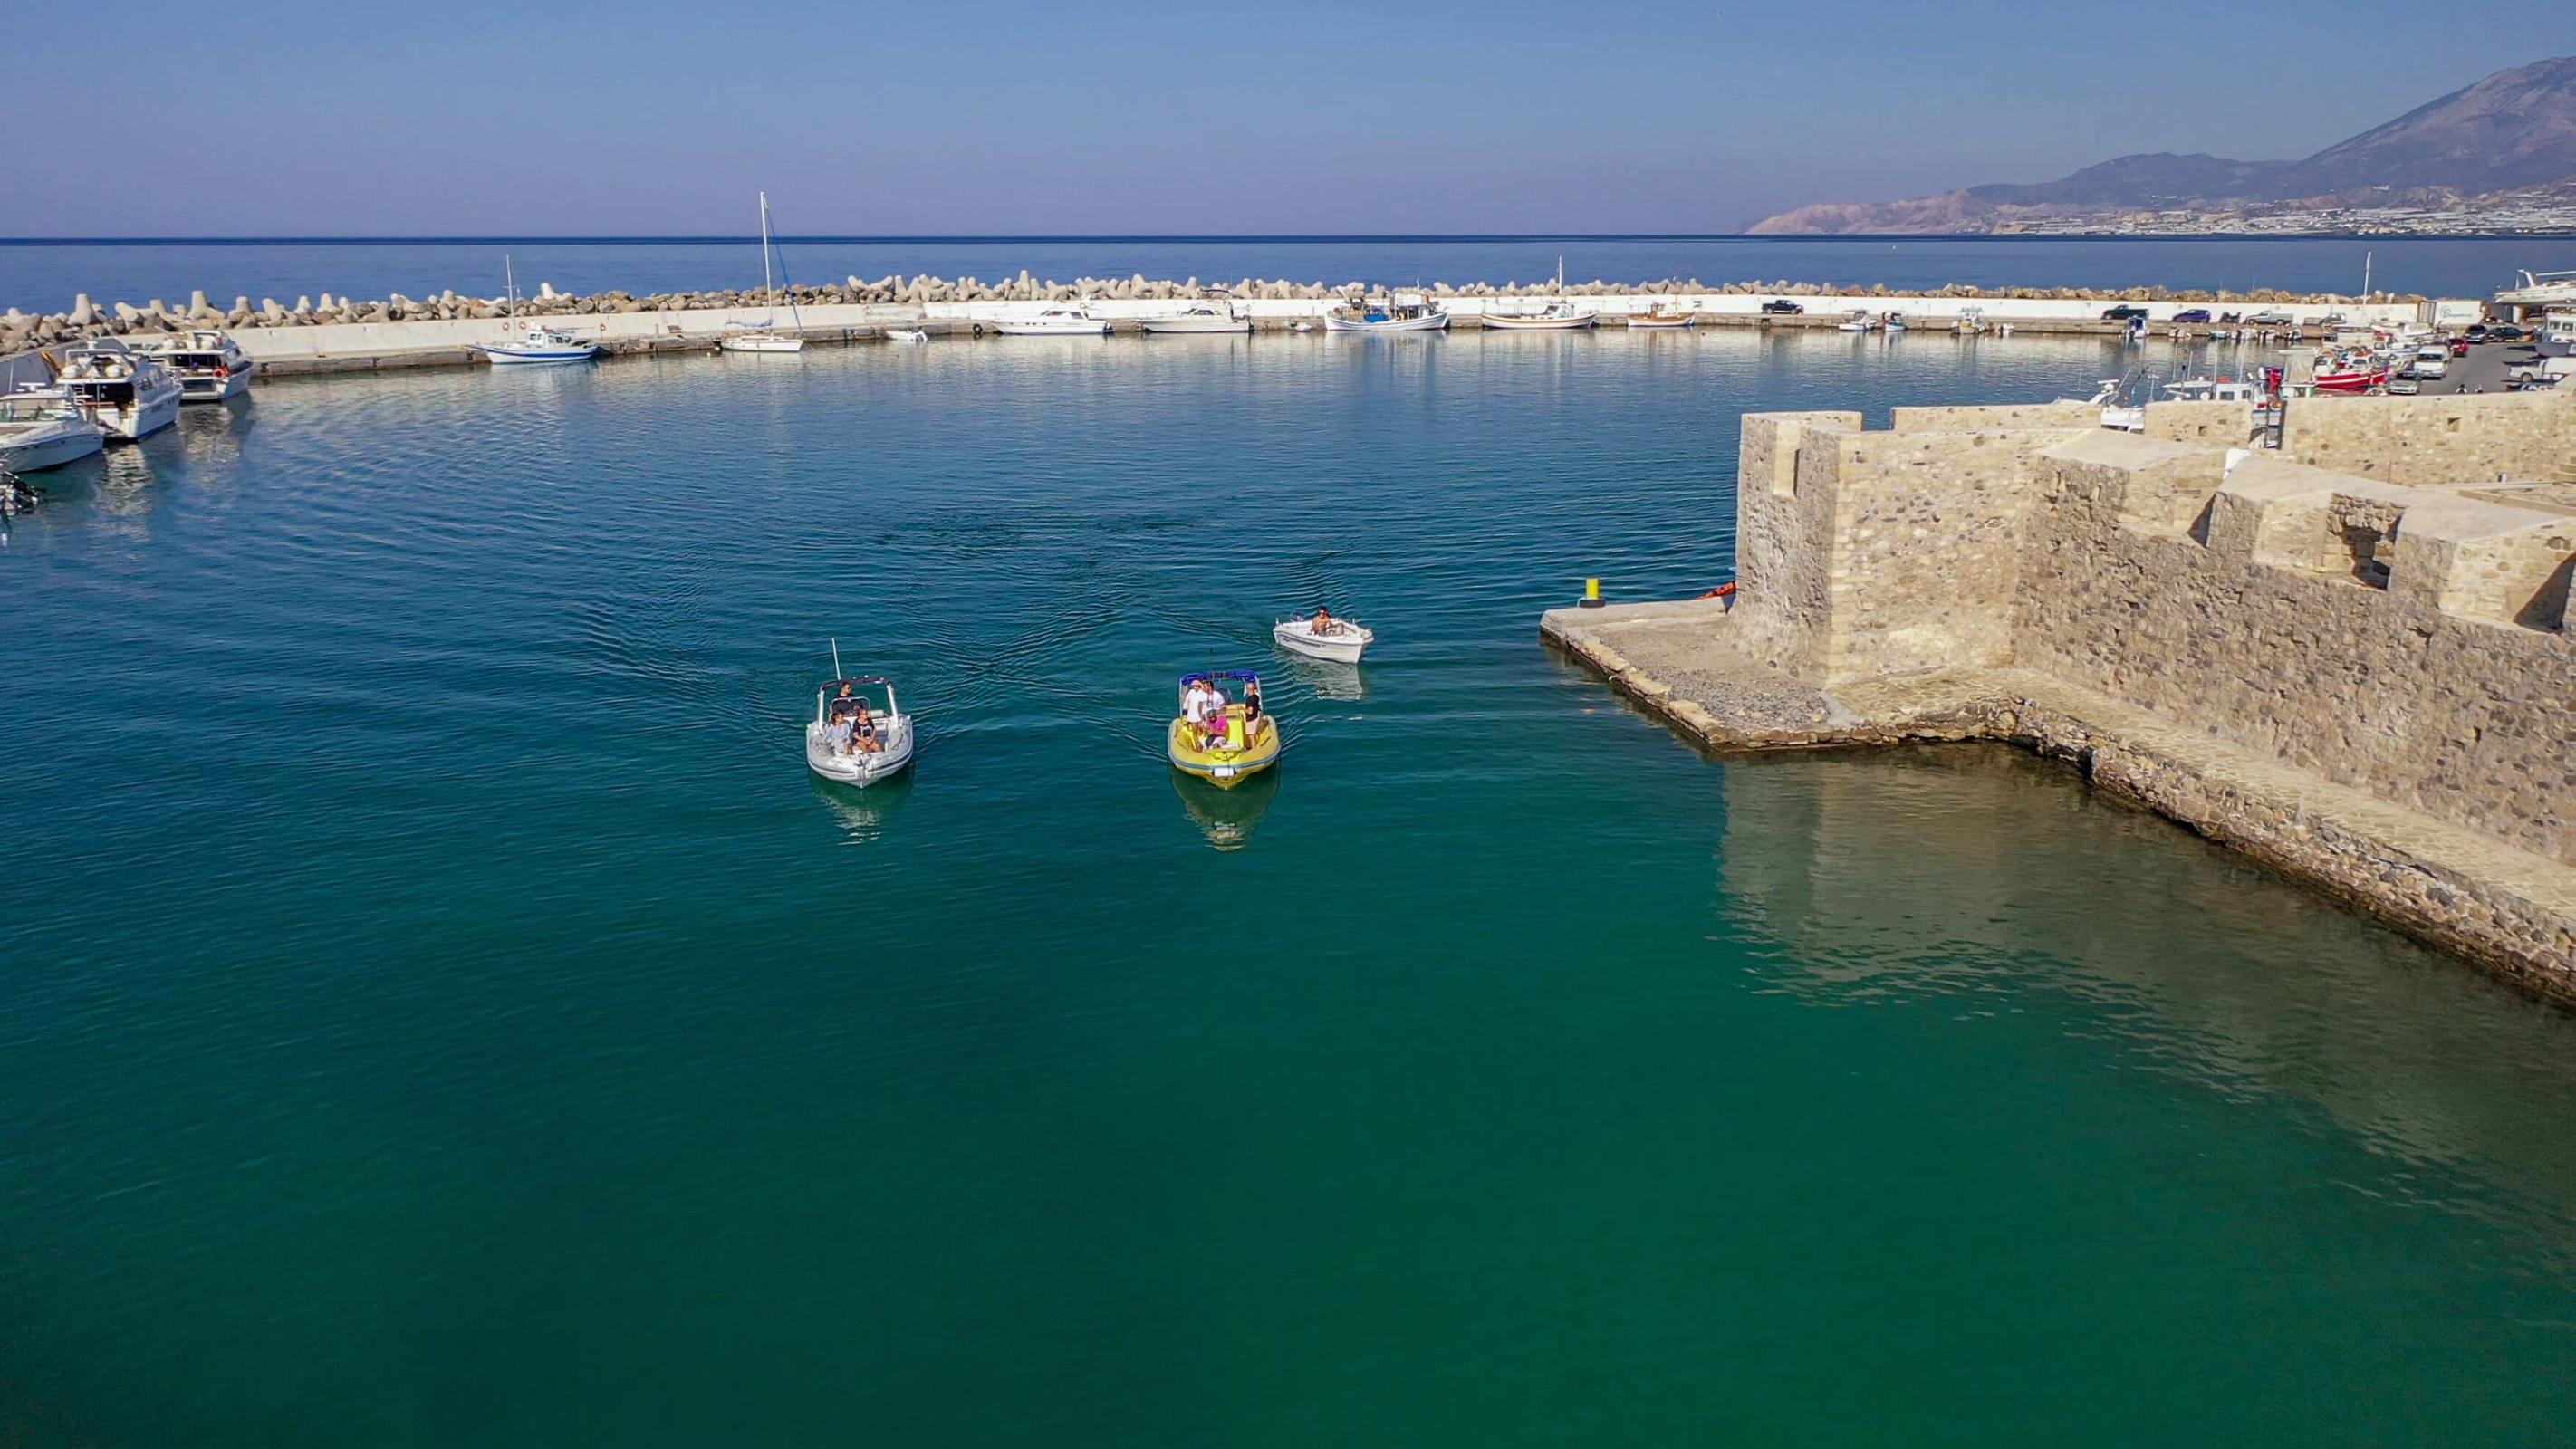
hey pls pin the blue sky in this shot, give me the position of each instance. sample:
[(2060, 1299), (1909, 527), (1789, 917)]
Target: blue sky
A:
[(1136, 116)]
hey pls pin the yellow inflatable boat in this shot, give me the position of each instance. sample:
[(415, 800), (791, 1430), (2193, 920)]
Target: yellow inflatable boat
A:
[(1220, 740)]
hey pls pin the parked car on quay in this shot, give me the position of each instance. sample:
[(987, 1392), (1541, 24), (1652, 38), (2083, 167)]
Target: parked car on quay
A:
[(2477, 332), (2192, 314), (2125, 312), (2459, 347), (1783, 307), (2270, 319)]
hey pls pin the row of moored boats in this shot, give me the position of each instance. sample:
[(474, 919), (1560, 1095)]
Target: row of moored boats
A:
[(112, 390)]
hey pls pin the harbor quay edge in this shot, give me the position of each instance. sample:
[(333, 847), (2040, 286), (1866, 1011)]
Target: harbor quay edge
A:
[(2346, 658)]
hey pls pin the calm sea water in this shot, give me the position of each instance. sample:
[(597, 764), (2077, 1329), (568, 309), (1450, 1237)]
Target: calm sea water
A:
[(436, 1005), (46, 276)]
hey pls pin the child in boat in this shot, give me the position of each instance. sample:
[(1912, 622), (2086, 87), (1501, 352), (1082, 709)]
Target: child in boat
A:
[(863, 731)]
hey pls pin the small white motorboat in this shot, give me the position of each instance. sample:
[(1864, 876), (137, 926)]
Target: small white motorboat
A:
[(44, 429), (125, 392), (1054, 322), (1339, 640), (1895, 322), (881, 739), (1198, 317), (906, 334), (1857, 322), (210, 365)]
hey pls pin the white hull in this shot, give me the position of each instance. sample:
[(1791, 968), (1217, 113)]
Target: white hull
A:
[(508, 356), (1542, 324), (1342, 646), (1436, 322), (33, 447), (199, 387), (857, 769), (146, 416), (1648, 321), (761, 342), (906, 334), (1045, 328), (1195, 324)]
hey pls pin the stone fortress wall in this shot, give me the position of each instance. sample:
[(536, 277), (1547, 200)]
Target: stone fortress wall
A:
[(2361, 638)]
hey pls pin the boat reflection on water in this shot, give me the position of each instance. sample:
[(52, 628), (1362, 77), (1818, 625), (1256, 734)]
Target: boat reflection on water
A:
[(864, 815), (1227, 817), (1329, 680)]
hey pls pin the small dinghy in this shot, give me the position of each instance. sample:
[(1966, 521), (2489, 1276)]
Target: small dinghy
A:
[(850, 741), (1221, 741), (906, 334), (1323, 637)]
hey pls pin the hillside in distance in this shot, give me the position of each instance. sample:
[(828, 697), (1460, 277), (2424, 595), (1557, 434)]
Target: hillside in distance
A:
[(2509, 138)]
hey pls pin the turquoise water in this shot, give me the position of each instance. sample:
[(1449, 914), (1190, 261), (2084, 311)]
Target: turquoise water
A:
[(437, 1006)]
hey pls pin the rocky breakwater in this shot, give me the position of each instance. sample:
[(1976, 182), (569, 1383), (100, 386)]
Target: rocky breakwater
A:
[(20, 330)]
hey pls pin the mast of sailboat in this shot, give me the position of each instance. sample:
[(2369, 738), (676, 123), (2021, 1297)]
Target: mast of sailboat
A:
[(510, 284), (768, 292), (2365, 278)]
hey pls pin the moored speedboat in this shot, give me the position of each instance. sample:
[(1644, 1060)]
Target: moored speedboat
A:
[(1857, 322), (1198, 317), (1225, 744), (1403, 312), (44, 429), (1339, 640), (210, 366), (1054, 322), (907, 334), (877, 742), (126, 393)]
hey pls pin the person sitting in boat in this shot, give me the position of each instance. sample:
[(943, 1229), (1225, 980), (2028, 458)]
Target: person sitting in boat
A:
[(1323, 622), (864, 738), (846, 702)]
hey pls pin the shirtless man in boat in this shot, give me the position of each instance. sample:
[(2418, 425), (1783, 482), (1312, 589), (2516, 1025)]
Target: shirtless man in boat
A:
[(1323, 623)]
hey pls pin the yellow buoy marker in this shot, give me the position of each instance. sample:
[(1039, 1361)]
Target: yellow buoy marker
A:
[(1591, 593)]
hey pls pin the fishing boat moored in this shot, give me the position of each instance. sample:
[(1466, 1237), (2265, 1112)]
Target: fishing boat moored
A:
[(1659, 316), (1217, 740), (527, 342), (1401, 312)]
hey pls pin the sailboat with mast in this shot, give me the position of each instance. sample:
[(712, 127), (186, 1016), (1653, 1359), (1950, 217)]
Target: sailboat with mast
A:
[(1560, 315), (760, 336)]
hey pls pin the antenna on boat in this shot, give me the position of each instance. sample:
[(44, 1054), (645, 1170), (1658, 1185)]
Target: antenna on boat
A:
[(836, 659)]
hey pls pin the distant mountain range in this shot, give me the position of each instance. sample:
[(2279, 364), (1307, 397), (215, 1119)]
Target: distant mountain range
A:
[(2510, 136)]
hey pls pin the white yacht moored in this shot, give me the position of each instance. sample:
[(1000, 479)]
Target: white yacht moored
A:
[(210, 366), (126, 393), (1053, 322), (761, 336), (1323, 637), (41, 428), (1199, 317)]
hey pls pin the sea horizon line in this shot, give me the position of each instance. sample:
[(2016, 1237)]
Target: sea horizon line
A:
[(1264, 239)]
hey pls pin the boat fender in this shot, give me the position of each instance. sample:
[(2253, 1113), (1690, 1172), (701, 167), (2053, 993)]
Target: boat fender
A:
[(1722, 591)]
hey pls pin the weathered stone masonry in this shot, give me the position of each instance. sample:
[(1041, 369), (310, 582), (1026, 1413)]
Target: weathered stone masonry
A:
[(2349, 657)]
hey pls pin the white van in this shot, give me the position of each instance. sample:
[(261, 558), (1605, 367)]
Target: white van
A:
[(2432, 362)]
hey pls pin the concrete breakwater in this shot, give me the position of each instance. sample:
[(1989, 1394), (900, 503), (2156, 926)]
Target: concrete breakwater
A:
[(2349, 659), (398, 328)]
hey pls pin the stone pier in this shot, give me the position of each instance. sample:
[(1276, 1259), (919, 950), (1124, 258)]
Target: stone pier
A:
[(2348, 659)]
